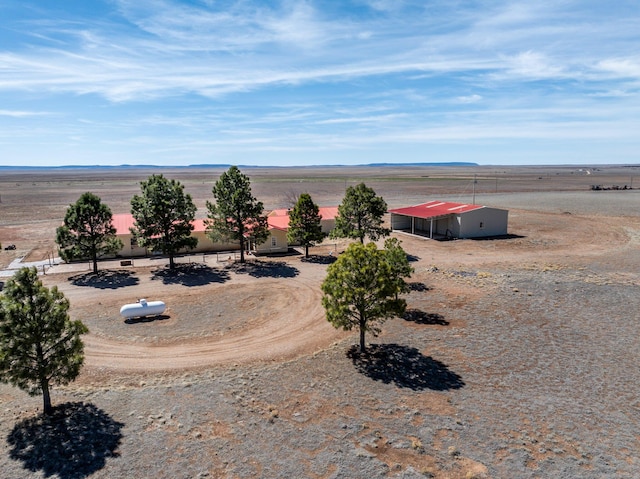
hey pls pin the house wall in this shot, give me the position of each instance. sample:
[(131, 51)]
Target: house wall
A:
[(130, 249), (328, 225), (483, 222), (276, 243), (205, 245)]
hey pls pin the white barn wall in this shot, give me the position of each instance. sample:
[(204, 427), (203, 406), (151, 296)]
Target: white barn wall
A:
[(483, 222), (477, 223)]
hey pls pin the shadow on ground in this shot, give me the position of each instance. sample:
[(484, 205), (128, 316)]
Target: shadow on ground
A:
[(147, 319), (72, 443), (421, 317), (319, 259), (191, 275), (418, 286), (105, 279), (265, 269), (499, 237), (405, 367)]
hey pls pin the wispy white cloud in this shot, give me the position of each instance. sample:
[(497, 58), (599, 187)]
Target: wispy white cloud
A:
[(23, 114), (361, 119), (621, 67), (284, 73), (468, 99)]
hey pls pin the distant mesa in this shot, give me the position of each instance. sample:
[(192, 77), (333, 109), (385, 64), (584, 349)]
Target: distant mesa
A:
[(225, 165)]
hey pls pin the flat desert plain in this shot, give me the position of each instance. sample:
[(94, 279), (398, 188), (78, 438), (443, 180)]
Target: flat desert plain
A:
[(517, 358)]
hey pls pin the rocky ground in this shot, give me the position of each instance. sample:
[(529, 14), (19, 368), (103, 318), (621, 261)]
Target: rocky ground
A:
[(517, 358)]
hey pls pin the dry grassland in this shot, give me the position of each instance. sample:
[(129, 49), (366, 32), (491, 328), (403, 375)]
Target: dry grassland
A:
[(518, 357)]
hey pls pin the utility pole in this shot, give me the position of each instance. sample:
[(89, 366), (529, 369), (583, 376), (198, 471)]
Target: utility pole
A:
[(474, 188)]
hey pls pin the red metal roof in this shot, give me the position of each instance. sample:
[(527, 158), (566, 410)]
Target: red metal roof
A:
[(280, 218), (122, 223), (433, 209), (278, 222), (326, 212)]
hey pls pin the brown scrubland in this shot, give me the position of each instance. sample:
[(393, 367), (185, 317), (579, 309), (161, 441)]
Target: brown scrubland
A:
[(518, 356)]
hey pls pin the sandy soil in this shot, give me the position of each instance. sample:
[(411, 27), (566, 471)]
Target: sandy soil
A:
[(517, 358), (270, 309)]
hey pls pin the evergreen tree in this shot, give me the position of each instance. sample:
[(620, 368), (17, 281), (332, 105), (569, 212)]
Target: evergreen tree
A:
[(236, 215), (88, 231), (164, 217), (360, 214), (39, 344), (399, 263), (360, 291), (304, 223)]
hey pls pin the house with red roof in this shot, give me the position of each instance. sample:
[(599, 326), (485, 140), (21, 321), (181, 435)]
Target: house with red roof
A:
[(124, 222), (280, 218), (444, 219), (278, 221), (279, 224)]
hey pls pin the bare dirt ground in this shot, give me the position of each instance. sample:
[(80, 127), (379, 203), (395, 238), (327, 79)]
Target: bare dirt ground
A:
[(517, 358)]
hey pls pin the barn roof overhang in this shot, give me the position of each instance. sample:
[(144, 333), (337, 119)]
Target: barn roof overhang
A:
[(434, 210)]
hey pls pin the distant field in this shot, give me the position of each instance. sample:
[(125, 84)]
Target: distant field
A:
[(517, 358), (33, 202)]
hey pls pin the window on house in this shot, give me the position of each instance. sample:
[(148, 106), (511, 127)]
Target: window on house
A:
[(134, 242), (481, 224), (274, 241)]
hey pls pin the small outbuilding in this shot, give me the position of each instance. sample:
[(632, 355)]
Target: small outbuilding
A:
[(443, 219)]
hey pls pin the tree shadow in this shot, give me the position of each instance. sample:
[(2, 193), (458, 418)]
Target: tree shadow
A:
[(405, 367), (191, 275), (319, 259), (265, 269), (420, 317), (418, 286), (147, 319), (105, 279), (498, 237), (72, 443)]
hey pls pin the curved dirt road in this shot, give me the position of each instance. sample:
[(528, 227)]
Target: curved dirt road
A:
[(243, 319), (272, 311)]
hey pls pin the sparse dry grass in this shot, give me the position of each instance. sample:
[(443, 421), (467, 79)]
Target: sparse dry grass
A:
[(538, 331)]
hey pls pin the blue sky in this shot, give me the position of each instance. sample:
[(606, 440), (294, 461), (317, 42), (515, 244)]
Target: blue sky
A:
[(169, 82)]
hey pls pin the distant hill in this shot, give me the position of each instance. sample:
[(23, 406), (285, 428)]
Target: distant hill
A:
[(224, 165)]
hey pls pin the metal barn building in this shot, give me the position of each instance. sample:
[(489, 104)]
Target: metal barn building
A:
[(441, 219)]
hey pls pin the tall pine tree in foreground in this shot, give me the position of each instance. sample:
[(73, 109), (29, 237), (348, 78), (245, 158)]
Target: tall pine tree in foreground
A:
[(39, 344), (361, 291)]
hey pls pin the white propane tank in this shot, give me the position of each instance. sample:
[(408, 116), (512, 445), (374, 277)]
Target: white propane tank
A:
[(142, 308)]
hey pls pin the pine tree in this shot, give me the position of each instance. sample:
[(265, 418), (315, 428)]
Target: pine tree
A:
[(39, 344), (304, 223), (164, 217), (399, 263), (360, 291), (236, 215), (88, 231), (360, 214)]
